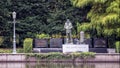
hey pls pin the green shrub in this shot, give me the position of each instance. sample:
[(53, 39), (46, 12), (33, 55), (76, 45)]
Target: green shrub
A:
[(117, 46), (56, 36), (58, 55), (9, 50), (27, 46), (3, 50), (52, 55), (85, 55), (75, 54), (20, 50), (42, 36)]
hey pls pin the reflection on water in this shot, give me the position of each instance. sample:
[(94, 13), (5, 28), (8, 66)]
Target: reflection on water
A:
[(59, 65)]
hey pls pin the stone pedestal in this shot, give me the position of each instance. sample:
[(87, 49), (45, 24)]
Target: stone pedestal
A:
[(75, 48), (111, 50)]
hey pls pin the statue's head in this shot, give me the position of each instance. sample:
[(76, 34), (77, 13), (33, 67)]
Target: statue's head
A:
[(68, 21)]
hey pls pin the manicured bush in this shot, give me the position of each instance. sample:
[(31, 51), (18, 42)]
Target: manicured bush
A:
[(27, 46), (117, 46)]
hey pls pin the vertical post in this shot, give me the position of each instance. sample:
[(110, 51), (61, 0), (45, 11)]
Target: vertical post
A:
[(81, 37), (14, 36)]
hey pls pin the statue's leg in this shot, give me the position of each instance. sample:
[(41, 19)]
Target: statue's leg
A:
[(66, 37), (71, 41)]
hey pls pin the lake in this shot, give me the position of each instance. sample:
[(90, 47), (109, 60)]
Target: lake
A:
[(59, 65)]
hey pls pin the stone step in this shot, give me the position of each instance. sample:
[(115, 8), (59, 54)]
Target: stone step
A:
[(45, 50)]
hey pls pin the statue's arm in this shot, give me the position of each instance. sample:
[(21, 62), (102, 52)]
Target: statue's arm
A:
[(71, 25), (65, 26)]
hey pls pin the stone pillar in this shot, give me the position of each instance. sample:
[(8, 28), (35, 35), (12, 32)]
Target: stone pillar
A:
[(81, 37)]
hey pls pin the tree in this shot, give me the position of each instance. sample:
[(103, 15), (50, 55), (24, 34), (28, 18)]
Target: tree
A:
[(104, 16), (37, 16)]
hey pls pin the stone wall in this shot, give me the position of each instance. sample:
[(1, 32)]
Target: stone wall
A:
[(99, 57), (12, 57)]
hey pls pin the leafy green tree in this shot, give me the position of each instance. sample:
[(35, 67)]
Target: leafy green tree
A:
[(104, 16), (36, 17)]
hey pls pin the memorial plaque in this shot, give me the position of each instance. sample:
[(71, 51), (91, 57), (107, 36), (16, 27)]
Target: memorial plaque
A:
[(100, 42), (56, 43), (40, 43)]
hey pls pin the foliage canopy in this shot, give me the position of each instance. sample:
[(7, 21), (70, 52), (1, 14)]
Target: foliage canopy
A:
[(104, 16), (37, 17)]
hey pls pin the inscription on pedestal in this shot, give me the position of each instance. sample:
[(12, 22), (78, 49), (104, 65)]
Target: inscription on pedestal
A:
[(75, 48)]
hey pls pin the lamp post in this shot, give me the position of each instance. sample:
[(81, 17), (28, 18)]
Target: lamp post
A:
[(14, 37)]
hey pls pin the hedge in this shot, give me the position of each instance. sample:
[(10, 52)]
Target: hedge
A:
[(117, 46), (27, 46)]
